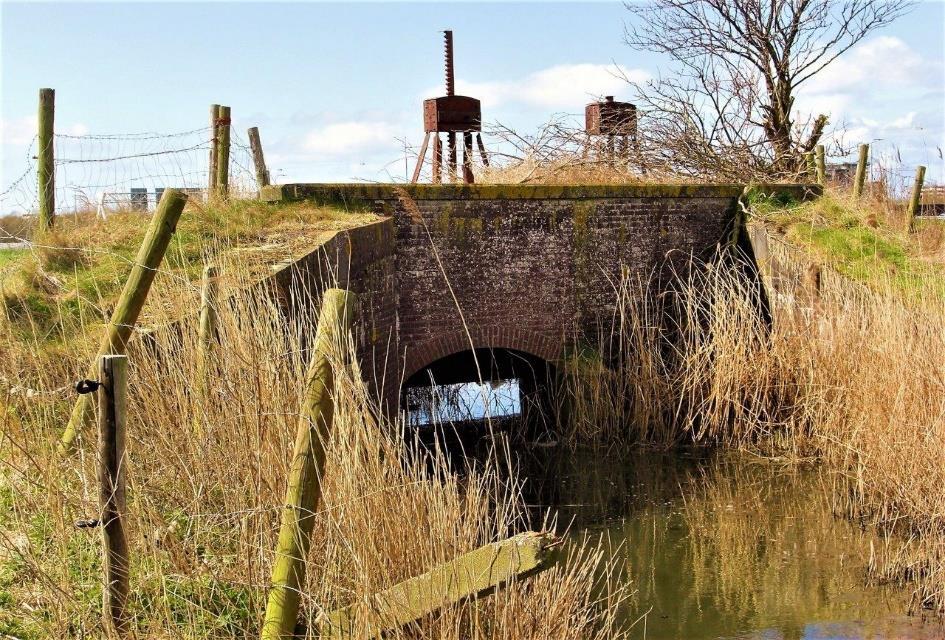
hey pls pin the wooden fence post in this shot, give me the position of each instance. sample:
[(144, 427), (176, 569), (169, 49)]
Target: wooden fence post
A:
[(214, 141), (916, 199), (46, 165), (133, 295), (207, 334), (304, 489), (259, 161), (112, 399), (820, 162), (223, 152), (209, 289), (861, 168), (810, 165)]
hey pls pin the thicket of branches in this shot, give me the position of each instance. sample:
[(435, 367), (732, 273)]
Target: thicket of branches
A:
[(726, 104), (723, 109)]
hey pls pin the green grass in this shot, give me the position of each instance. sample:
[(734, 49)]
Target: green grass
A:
[(7, 256), (71, 280), (863, 240)]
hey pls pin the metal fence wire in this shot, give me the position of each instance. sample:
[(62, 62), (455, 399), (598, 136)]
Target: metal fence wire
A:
[(107, 172)]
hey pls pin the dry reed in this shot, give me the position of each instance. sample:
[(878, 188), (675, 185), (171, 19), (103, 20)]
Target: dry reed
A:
[(204, 511), (854, 377)]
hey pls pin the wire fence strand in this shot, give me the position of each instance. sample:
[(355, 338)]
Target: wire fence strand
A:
[(107, 172)]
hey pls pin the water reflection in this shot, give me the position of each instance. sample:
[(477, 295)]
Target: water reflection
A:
[(461, 402), (724, 546)]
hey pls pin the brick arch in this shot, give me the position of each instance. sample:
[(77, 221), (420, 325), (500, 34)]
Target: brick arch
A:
[(422, 354)]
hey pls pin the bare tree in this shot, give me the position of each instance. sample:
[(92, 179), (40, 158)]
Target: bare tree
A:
[(729, 104)]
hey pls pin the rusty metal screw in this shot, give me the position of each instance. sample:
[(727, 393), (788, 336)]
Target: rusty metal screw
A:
[(448, 55)]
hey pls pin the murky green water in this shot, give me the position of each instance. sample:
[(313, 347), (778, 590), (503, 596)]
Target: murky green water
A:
[(725, 547)]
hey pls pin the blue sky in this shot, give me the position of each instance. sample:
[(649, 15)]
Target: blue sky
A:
[(336, 88)]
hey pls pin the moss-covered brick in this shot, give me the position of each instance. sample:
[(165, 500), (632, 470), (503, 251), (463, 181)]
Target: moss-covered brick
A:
[(353, 193)]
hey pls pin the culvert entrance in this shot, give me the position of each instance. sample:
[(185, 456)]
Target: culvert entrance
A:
[(474, 390)]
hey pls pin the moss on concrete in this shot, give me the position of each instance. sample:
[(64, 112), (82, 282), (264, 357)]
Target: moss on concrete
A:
[(353, 194)]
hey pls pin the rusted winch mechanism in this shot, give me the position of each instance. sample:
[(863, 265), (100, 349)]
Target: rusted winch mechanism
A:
[(615, 120), (451, 114)]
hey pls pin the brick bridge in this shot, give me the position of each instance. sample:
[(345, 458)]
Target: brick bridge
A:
[(529, 269)]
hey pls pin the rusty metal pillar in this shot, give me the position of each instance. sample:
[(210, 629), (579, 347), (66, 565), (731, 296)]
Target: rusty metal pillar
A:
[(482, 150), (451, 143), (448, 61), (467, 158), (437, 159)]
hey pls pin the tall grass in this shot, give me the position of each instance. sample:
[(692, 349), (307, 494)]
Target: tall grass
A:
[(687, 364), (204, 510), (853, 376)]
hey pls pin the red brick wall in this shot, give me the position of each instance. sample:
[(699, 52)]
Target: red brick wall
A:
[(535, 274), (526, 268)]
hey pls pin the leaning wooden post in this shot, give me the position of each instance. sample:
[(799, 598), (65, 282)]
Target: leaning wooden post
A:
[(132, 298), (916, 198), (46, 166), (262, 174), (223, 152), (214, 142), (861, 167), (470, 576), (820, 162), (304, 490), (113, 401)]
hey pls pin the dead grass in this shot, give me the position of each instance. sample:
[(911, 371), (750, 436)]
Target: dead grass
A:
[(204, 510), (854, 379), (571, 170), (16, 228)]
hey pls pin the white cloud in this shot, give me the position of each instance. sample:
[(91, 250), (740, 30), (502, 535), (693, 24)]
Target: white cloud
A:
[(567, 86), (18, 131), (347, 138), (904, 122), (876, 69), (884, 62), (77, 129), (885, 93)]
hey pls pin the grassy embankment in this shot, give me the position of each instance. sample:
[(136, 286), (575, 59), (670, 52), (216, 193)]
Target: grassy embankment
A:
[(868, 241), (204, 511), (57, 293)]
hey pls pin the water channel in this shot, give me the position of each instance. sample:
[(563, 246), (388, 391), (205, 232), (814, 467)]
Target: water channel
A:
[(726, 545), (719, 545)]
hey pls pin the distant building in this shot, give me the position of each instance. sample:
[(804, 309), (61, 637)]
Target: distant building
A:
[(139, 199), (932, 202), (841, 172)]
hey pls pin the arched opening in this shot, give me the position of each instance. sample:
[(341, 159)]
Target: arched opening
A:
[(472, 389)]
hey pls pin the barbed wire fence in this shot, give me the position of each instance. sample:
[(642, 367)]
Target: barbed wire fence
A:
[(103, 173)]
